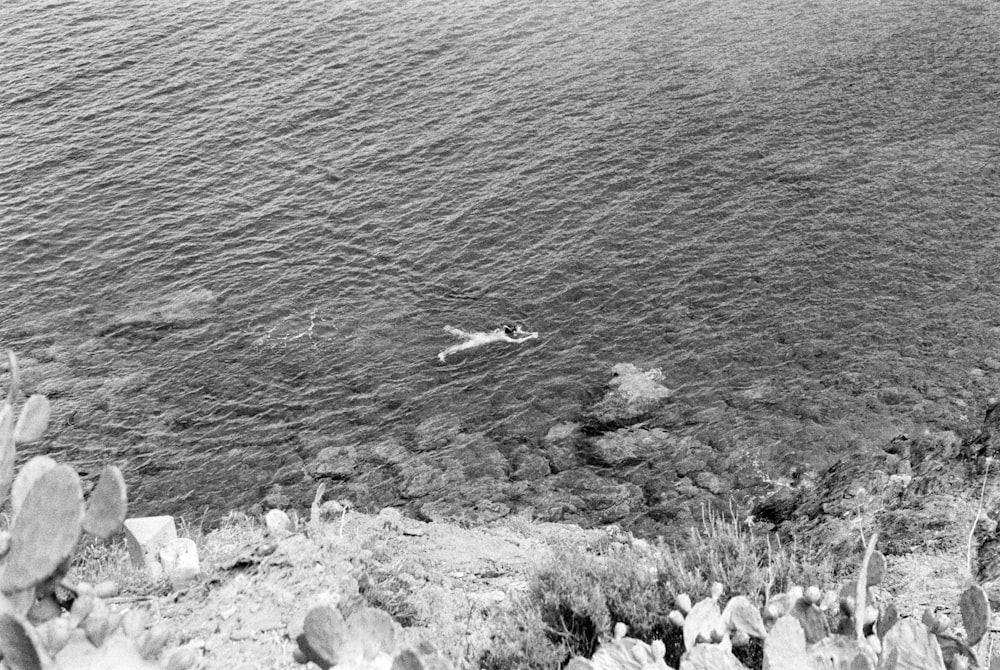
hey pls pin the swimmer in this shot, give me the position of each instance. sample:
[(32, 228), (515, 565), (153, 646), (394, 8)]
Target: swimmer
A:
[(504, 333)]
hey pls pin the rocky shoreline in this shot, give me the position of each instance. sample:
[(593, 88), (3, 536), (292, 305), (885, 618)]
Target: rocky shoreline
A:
[(929, 494), (633, 452), (616, 464), (637, 454), (924, 494), (456, 550), (621, 463)]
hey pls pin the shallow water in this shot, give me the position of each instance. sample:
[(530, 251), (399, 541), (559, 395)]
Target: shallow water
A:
[(231, 231)]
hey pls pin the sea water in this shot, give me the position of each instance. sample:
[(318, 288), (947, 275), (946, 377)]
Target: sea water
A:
[(231, 231)]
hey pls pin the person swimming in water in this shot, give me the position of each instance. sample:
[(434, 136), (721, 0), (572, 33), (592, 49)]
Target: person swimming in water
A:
[(504, 333)]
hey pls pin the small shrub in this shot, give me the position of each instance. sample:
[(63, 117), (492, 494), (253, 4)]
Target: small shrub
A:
[(793, 630), (579, 596), (515, 643), (386, 591)]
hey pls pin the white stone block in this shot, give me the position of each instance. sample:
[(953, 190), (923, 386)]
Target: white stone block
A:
[(180, 562), (279, 524), (145, 537)]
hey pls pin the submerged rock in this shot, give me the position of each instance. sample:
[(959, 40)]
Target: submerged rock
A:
[(291, 472), (436, 432), (627, 446), (633, 395), (335, 462), (710, 482), (178, 309), (529, 465), (560, 445), (480, 513), (601, 499)]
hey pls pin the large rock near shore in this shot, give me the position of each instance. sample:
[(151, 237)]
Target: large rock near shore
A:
[(633, 395)]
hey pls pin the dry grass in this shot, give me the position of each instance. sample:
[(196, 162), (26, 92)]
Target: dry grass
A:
[(725, 550), (95, 561)]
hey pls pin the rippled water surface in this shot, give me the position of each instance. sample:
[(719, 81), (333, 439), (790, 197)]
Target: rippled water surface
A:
[(232, 229)]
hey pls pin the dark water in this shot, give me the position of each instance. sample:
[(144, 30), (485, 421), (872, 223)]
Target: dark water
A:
[(233, 230)]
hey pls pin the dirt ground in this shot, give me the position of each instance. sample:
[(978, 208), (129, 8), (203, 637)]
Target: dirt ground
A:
[(248, 608)]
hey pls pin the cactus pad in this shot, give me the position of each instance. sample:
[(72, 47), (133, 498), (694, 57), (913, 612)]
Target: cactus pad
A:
[(975, 613), (913, 646), (841, 651), (703, 619), (375, 629), (812, 620), (876, 568), (34, 419), (785, 646), (886, 620), (45, 530), (409, 660), (742, 615), (30, 473), (107, 504), (710, 657), (19, 651), (324, 631), (7, 450)]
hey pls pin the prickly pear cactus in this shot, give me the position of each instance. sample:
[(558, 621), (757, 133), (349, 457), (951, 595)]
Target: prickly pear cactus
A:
[(49, 515), (710, 657), (367, 639), (89, 638), (742, 616), (624, 653), (31, 423), (913, 646), (45, 530), (796, 633), (107, 505), (785, 646)]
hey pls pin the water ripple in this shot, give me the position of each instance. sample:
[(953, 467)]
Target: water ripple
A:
[(797, 196)]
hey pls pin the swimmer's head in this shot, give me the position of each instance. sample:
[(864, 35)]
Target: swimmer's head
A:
[(508, 331)]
